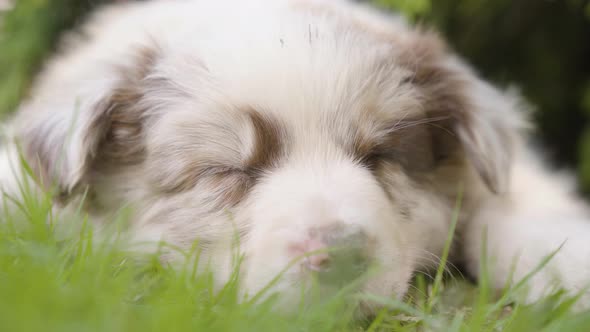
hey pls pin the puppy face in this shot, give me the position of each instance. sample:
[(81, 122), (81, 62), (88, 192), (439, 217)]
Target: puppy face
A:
[(341, 146), (291, 187)]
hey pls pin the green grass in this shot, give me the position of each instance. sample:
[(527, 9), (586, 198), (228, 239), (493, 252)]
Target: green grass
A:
[(54, 276)]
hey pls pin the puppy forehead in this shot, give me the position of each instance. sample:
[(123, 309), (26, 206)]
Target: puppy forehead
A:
[(302, 67), (302, 118), (318, 76), (318, 102), (338, 113), (325, 92)]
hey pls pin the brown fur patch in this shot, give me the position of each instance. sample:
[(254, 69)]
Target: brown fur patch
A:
[(112, 137), (218, 160), (269, 142), (446, 93), (266, 153), (122, 144), (408, 143), (443, 90), (364, 149)]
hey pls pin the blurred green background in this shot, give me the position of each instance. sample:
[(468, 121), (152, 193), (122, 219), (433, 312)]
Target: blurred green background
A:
[(541, 46)]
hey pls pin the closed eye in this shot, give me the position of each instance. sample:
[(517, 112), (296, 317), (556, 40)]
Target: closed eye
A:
[(407, 142), (221, 170)]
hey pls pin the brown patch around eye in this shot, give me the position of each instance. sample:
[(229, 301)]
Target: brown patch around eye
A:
[(364, 150), (232, 186), (268, 142), (408, 143), (219, 159)]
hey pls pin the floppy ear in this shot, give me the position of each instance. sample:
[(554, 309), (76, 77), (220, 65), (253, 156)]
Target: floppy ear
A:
[(77, 119), (486, 122)]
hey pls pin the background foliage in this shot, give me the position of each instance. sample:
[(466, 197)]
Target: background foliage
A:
[(542, 46)]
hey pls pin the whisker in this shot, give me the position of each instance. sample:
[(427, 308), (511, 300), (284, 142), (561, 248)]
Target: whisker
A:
[(418, 290), (433, 258), (401, 124), (425, 273)]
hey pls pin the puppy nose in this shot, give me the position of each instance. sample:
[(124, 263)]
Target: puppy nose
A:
[(315, 254), (332, 250)]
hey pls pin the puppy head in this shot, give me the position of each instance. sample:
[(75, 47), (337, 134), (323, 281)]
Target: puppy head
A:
[(335, 149)]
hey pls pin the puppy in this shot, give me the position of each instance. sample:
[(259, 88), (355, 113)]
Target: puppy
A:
[(319, 130)]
